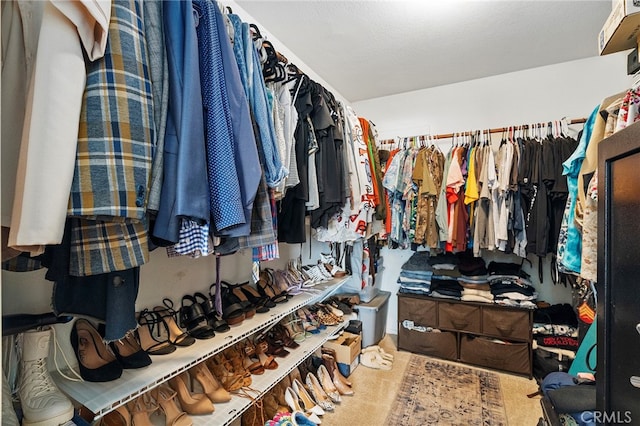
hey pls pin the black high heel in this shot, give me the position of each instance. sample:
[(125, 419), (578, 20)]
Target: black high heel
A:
[(169, 316), (233, 311), (253, 295), (251, 307), (153, 334), (193, 319), (96, 362), (128, 350), (208, 305)]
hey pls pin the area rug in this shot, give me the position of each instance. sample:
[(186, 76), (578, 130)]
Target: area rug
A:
[(438, 393)]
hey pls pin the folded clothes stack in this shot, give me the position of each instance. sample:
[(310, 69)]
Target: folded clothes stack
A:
[(446, 288), (415, 276), (511, 290)]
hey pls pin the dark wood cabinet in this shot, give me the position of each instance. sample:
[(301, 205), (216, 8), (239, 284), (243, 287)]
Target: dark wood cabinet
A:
[(618, 341), (482, 334)]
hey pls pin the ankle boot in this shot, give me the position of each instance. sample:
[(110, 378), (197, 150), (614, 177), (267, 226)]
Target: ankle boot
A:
[(42, 402)]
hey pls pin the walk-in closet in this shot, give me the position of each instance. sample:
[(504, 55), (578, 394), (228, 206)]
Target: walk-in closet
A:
[(270, 213)]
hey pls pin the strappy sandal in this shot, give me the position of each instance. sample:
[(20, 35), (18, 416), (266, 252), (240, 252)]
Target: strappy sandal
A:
[(168, 315), (253, 295), (192, 318), (152, 334), (223, 371), (252, 305), (208, 306), (281, 336), (251, 361), (266, 286), (267, 361)]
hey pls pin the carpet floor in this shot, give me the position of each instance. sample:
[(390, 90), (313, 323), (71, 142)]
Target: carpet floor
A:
[(376, 393)]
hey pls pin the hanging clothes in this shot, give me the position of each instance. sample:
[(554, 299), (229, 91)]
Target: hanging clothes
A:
[(569, 241), (232, 158), (46, 35), (185, 192), (159, 75)]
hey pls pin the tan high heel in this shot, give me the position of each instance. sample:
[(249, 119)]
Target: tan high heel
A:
[(141, 409), (338, 379), (210, 385), (174, 416), (118, 417), (191, 403)]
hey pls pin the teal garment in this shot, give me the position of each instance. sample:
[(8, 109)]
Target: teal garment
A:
[(571, 252)]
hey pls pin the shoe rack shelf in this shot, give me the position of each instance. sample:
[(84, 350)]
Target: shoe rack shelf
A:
[(102, 398), (227, 412)]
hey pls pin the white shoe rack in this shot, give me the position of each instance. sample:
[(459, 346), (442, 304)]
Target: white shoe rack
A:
[(102, 398)]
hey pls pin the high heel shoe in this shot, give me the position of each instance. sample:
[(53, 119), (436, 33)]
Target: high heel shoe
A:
[(141, 409), (282, 335), (342, 384), (208, 305), (307, 402), (191, 403), (294, 328), (193, 319), (97, 363), (327, 384), (292, 401), (153, 335), (250, 358), (232, 298), (318, 393), (253, 295), (266, 360), (118, 417), (257, 304), (174, 416), (233, 311), (168, 315), (209, 384), (129, 352), (223, 371), (266, 287)]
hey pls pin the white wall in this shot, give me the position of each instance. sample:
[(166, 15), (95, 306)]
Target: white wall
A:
[(570, 89)]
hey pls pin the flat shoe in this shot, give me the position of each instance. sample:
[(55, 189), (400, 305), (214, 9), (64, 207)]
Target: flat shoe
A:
[(374, 360)]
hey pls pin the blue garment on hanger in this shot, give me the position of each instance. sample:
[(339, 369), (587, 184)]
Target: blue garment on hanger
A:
[(571, 257), (184, 188)]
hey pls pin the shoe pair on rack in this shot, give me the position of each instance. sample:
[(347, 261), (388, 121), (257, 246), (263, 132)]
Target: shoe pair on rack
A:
[(99, 362), (161, 399), (198, 389), (331, 265), (159, 333), (326, 314), (268, 287)]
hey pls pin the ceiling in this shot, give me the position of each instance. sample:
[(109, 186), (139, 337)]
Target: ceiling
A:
[(369, 49)]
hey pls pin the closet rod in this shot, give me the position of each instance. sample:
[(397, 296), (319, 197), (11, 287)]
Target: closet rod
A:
[(494, 130)]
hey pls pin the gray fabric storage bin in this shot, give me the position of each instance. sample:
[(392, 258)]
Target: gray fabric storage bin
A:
[(374, 318)]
